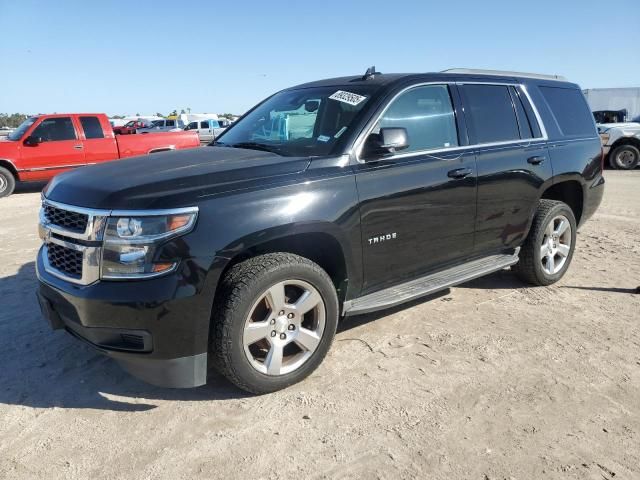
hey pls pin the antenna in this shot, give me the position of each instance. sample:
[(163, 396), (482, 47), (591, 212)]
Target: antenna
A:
[(370, 73)]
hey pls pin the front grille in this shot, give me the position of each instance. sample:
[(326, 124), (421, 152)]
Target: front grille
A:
[(65, 260), (74, 221)]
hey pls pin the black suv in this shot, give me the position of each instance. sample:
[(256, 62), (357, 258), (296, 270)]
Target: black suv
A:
[(328, 199)]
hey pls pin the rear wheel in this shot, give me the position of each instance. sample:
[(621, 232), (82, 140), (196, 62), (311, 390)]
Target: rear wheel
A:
[(547, 252), (625, 157), (7, 182), (274, 321)]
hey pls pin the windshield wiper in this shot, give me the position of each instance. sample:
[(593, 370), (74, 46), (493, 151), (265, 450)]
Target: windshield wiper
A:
[(257, 146)]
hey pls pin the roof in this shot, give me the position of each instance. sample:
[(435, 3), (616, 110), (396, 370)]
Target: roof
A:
[(385, 79)]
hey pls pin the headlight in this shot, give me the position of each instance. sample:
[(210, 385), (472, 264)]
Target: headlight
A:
[(130, 243)]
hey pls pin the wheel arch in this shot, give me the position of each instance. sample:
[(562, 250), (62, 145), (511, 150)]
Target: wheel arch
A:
[(321, 246), (635, 141), (570, 192), (8, 164)]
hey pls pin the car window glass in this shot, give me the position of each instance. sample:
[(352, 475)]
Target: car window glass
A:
[(570, 110), (170, 123), (193, 125), (490, 113), (427, 115), (91, 127), (204, 124), (55, 129)]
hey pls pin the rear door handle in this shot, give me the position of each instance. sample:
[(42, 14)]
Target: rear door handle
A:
[(78, 147), (459, 173), (535, 160)]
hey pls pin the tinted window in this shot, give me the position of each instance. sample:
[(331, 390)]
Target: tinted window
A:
[(427, 115), (192, 126), (55, 129), (490, 113), (91, 127), (523, 121), (170, 123), (204, 124), (570, 110)]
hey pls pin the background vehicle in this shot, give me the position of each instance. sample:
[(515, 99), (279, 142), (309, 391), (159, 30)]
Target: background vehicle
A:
[(208, 130), (131, 126), (333, 198), (621, 144), (163, 125), (46, 145)]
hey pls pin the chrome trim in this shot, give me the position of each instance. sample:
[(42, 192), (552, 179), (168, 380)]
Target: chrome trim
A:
[(152, 213), (39, 169), (505, 73), (359, 143), (95, 221), (141, 276)]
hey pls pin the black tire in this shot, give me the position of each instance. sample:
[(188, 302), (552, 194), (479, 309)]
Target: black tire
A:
[(241, 287), (530, 266), (7, 182), (625, 157)]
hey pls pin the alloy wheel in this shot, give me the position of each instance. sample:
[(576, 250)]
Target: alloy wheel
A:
[(284, 327), (556, 245)]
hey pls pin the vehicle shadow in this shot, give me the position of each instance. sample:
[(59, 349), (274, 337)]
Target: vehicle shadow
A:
[(606, 289), (29, 187), (41, 368)]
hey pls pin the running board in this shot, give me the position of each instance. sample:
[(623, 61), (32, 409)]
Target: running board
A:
[(390, 297)]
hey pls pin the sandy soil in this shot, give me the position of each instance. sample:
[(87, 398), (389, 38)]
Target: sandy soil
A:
[(490, 380)]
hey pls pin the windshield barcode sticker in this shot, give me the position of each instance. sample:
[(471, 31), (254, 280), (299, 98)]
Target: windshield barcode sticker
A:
[(348, 97)]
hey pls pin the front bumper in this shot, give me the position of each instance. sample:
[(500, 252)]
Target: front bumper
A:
[(156, 329)]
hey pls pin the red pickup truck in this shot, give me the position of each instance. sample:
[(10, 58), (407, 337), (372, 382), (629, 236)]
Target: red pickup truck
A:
[(46, 145), (130, 127)]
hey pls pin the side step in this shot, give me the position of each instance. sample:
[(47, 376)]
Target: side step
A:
[(390, 297)]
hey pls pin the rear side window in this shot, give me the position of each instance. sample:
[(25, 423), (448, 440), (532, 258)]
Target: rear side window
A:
[(490, 113), (91, 127), (427, 115), (170, 123), (523, 121), (204, 124), (55, 130), (570, 110)]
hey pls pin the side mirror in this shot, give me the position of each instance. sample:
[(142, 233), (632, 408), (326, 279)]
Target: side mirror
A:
[(388, 141), (32, 141)]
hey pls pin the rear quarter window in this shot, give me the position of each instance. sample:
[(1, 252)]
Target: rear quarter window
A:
[(570, 110)]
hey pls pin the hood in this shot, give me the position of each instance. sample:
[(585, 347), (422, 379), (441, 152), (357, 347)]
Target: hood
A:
[(170, 179), (626, 126)]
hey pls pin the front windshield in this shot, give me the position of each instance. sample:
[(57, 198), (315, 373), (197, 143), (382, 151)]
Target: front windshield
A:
[(130, 124), (304, 122), (19, 132)]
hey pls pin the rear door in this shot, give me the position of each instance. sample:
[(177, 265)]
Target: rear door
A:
[(417, 206), (513, 162), (60, 148), (98, 143)]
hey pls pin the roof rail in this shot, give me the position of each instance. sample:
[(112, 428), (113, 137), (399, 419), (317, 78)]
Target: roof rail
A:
[(505, 73)]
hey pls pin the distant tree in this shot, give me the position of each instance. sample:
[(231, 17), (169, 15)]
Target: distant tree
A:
[(137, 114), (12, 120), (182, 112), (227, 115), (188, 109), (174, 113), (159, 114)]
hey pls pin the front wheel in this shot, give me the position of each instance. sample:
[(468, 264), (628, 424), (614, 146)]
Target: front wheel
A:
[(546, 254), (7, 182), (273, 322)]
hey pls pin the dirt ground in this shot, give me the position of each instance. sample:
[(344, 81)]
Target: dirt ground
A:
[(491, 380)]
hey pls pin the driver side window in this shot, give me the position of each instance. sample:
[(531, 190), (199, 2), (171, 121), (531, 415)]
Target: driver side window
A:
[(427, 114), (55, 130)]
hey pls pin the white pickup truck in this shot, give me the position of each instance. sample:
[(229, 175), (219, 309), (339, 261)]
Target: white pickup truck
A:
[(621, 142)]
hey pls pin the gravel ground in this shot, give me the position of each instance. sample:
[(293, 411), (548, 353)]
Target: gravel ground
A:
[(490, 380)]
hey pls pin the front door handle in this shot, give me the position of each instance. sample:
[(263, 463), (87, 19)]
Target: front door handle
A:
[(78, 147), (535, 160), (459, 173)]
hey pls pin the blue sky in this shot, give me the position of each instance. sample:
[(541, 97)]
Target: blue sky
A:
[(137, 56)]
